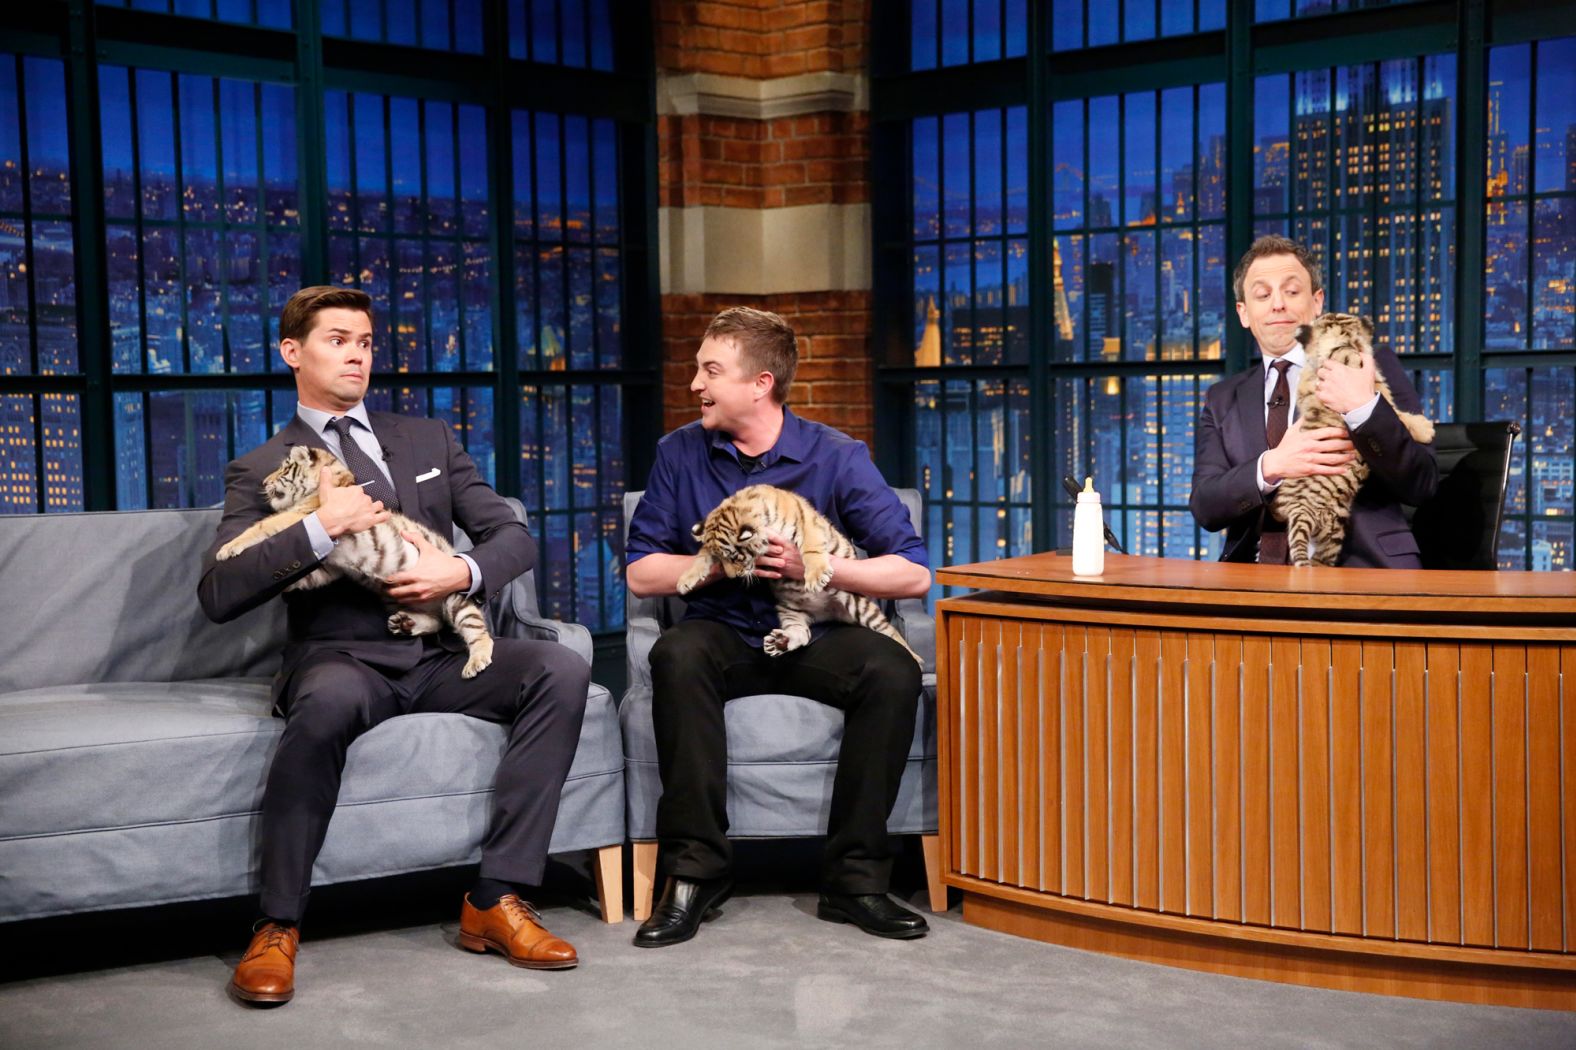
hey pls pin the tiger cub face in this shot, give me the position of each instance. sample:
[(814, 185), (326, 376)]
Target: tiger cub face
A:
[(734, 535), (1342, 338), (297, 476)]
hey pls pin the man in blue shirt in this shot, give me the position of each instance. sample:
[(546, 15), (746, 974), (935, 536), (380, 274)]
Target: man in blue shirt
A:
[(746, 436)]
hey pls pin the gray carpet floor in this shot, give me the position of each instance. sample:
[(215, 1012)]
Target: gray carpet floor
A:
[(765, 974)]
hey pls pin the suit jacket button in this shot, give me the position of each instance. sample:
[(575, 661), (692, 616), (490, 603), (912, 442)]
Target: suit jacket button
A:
[(278, 575), (295, 565)]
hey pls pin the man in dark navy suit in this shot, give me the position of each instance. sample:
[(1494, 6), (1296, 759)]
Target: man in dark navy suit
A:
[(1249, 438), (343, 672)]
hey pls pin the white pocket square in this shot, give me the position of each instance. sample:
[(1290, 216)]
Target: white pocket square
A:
[(434, 472)]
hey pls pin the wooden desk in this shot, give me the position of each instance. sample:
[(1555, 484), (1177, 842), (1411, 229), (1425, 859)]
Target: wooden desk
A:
[(1353, 778)]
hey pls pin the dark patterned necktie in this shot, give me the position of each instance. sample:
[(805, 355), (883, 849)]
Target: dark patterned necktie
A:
[(362, 465), (1272, 539)]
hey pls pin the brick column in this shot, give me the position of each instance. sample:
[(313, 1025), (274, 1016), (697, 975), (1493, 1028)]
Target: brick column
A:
[(764, 142)]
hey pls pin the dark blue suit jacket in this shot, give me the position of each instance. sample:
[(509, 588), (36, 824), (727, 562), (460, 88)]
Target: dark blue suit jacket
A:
[(1230, 438), (344, 616)]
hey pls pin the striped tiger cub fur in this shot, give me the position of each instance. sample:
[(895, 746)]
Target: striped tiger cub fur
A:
[(1316, 508), (738, 531), (368, 557)]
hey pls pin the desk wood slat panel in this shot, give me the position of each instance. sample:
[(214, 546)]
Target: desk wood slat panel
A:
[(989, 751), (1256, 864), (1053, 644), (1444, 794), (1010, 694), (1146, 770), (1313, 760), (1173, 787), (1476, 732), (969, 740), (1121, 700), (1197, 780), (1096, 757), (1285, 786), (1568, 790), (1543, 800), (1411, 794), (1378, 746), (1075, 698), (1032, 701), (1510, 795), (1226, 775), (1346, 786)]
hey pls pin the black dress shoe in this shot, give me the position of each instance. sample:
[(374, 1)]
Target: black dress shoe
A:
[(685, 904), (874, 913)]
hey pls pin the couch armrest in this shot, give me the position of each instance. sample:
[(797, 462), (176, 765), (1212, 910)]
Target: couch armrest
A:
[(640, 634), (914, 622), (515, 616)]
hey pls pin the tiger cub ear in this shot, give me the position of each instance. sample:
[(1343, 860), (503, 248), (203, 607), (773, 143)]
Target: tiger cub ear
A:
[(697, 529)]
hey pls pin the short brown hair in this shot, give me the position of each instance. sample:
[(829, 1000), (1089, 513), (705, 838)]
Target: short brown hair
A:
[(1274, 244), (766, 344), (300, 313)]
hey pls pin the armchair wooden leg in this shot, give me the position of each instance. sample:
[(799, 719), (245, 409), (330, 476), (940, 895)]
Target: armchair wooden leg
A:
[(931, 844), (610, 882), (644, 874)]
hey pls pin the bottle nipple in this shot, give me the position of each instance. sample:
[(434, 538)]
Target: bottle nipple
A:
[(1089, 485)]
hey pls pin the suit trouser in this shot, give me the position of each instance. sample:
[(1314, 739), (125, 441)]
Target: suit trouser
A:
[(699, 665), (536, 688)]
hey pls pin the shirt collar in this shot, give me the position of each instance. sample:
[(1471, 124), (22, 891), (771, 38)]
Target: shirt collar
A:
[(318, 419), (792, 441), (1297, 355)]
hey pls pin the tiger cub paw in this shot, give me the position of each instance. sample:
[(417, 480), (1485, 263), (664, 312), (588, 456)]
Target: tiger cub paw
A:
[(783, 641), (694, 576), (228, 551), (402, 623), (480, 658)]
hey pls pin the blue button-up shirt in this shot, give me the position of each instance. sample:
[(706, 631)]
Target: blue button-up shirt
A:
[(697, 469)]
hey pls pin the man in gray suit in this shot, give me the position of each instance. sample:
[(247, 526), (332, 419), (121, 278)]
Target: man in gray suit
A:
[(343, 672), (1249, 438)]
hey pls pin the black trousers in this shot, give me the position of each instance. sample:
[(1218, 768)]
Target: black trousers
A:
[(536, 688), (699, 665)]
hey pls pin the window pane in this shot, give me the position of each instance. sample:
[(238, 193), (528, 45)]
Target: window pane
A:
[(273, 14), (1279, 10), (1530, 263), (191, 284), (1536, 533), (559, 32), (442, 25), (1356, 163)]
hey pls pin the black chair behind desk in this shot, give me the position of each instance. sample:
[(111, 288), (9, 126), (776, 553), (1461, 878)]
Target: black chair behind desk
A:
[(1458, 527)]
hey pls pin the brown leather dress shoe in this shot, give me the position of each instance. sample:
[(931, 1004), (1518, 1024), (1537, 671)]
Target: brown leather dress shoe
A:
[(266, 973), (513, 928)]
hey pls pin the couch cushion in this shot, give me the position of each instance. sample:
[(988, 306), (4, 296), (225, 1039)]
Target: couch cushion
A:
[(79, 758), (112, 597)]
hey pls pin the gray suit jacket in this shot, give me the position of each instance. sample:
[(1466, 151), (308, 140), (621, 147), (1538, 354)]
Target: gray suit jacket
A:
[(344, 616), (1230, 438)]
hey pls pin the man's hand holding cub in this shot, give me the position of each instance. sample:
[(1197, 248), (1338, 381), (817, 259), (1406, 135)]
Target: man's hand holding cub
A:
[(346, 508)]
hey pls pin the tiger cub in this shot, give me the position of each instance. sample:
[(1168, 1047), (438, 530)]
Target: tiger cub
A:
[(368, 557), (1317, 507), (736, 533)]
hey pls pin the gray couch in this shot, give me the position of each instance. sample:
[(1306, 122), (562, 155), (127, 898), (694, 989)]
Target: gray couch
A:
[(135, 735), (782, 749)]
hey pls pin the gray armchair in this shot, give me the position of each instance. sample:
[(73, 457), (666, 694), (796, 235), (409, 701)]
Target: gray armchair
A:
[(782, 749)]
